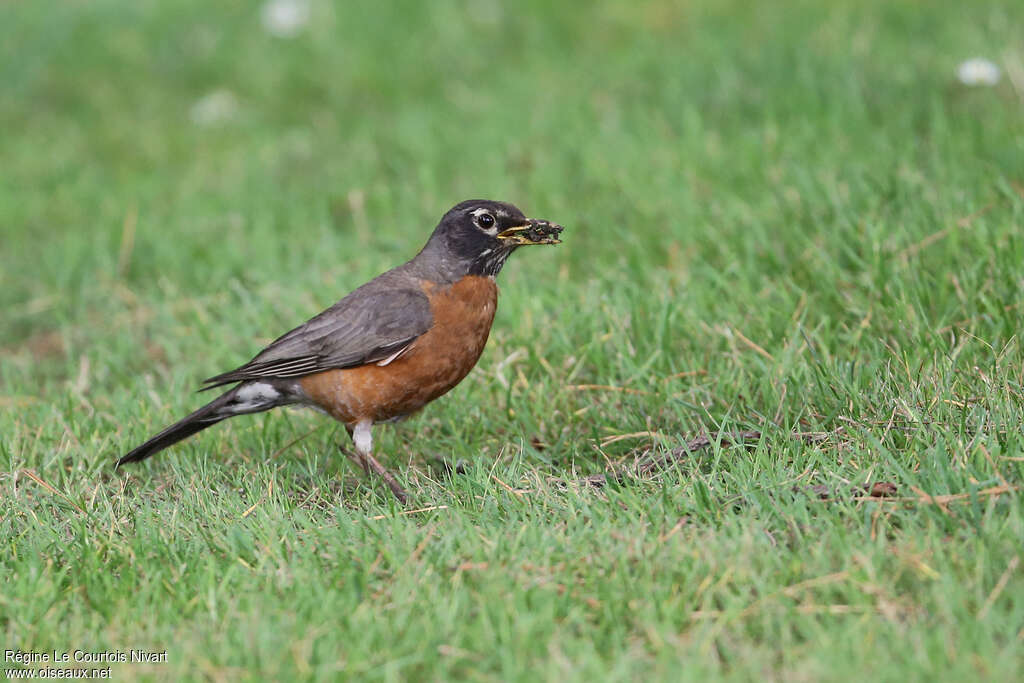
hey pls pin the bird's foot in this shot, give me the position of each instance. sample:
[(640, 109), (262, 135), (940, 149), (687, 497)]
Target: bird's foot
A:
[(371, 464)]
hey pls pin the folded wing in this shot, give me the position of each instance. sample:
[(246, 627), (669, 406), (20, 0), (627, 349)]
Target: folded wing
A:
[(370, 325)]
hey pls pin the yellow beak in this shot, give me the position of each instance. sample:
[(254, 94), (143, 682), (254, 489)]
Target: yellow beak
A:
[(533, 232)]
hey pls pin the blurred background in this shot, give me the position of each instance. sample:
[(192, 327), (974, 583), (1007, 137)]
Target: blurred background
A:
[(801, 218), (264, 157)]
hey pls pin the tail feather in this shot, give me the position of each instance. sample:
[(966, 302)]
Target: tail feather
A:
[(240, 400), (168, 437)]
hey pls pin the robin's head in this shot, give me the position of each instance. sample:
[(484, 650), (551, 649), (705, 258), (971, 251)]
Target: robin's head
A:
[(476, 236)]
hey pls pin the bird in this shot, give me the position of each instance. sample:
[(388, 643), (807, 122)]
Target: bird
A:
[(388, 348)]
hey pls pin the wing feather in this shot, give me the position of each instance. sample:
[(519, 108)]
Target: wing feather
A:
[(373, 323)]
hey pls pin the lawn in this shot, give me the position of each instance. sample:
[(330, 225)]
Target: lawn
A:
[(783, 219)]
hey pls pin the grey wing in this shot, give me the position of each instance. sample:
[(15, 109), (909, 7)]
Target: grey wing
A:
[(364, 327)]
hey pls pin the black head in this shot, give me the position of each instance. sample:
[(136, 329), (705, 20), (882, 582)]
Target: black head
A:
[(476, 236)]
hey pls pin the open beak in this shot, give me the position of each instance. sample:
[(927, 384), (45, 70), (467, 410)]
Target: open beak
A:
[(532, 232)]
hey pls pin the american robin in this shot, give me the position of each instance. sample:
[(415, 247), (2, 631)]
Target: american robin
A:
[(388, 348)]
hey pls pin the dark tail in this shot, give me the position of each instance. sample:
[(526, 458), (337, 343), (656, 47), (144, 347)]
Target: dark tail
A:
[(224, 406)]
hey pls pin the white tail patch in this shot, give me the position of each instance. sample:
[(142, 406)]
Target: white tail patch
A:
[(255, 396)]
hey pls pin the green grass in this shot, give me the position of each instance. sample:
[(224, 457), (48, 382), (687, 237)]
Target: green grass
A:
[(788, 218)]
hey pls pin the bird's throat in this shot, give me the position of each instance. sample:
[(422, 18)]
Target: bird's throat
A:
[(490, 262)]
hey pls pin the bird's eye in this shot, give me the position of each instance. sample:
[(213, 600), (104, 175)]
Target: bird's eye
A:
[(485, 221)]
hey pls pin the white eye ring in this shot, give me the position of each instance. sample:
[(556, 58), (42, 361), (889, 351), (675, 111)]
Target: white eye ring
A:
[(486, 222)]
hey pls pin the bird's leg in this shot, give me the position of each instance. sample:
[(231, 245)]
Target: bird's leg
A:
[(355, 456), (363, 441)]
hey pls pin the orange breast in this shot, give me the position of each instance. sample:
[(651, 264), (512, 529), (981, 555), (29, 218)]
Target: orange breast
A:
[(436, 362)]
